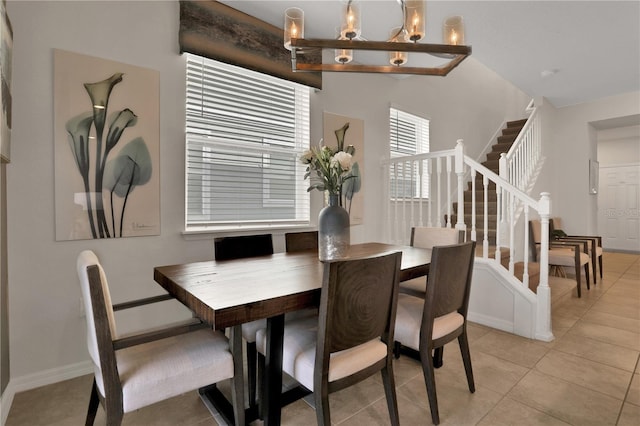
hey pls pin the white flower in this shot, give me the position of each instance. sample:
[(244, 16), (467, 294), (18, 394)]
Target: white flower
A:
[(306, 157), (343, 159)]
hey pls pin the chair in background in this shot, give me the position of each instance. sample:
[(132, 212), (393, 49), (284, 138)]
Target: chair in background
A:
[(298, 241), (323, 354), (136, 371), (425, 324), (571, 254), (242, 247), (427, 237), (594, 247)]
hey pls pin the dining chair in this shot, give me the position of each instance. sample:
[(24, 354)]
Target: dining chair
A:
[(242, 247), (594, 247), (425, 324), (136, 371), (428, 237), (298, 241), (571, 254), (352, 337)]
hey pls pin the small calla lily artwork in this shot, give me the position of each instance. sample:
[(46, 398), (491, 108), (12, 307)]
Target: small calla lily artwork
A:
[(112, 158)]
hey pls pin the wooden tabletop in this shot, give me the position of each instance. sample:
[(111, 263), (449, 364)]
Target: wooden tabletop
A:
[(232, 292)]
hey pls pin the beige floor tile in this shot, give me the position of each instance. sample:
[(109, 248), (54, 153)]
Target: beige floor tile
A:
[(186, 409), (634, 391), (510, 412), (476, 331), (516, 349), (456, 405), (621, 310), (590, 374), (354, 398), (594, 350), (298, 413), (624, 338), (404, 368), (60, 402), (612, 320), (630, 415), (489, 371), (566, 401), (378, 414)]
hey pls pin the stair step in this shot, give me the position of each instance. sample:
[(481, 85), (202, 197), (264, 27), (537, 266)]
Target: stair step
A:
[(492, 208), (492, 197), (479, 185), (501, 147), (491, 219), (494, 155), (517, 123), (493, 165), (511, 131), (507, 138)]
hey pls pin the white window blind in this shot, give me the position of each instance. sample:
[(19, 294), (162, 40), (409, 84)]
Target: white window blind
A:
[(245, 132), (408, 135)]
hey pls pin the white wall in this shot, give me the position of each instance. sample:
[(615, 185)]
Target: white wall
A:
[(620, 145), (47, 330), (569, 141)]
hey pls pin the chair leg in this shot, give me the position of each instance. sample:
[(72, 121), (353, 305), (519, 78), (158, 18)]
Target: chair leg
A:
[(430, 382), (396, 349), (390, 392), (260, 388), (438, 354), (252, 374), (463, 341), (237, 381), (323, 415), (94, 401), (578, 279), (600, 264), (586, 274)]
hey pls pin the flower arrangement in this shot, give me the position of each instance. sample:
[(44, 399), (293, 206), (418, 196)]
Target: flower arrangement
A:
[(328, 169), (333, 170)]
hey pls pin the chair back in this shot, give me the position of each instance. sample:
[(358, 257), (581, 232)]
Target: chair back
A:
[(240, 247), (427, 237), (358, 302), (101, 326), (449, 281), (299, 241)]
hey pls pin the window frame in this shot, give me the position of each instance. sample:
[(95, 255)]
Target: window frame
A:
[(289, 137)]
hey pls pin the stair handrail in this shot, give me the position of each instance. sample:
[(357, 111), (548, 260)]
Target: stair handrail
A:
[(518, 165), (463, 166)]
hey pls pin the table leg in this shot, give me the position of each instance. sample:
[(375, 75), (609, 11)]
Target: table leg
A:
[(273, 370)]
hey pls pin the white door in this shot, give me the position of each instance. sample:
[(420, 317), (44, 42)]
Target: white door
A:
[(618, 207)]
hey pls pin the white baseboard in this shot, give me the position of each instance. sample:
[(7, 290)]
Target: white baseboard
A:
[(5, 403), (36, 380)]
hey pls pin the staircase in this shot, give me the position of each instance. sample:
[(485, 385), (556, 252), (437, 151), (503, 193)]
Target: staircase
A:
[(509, 293), (502, 145)]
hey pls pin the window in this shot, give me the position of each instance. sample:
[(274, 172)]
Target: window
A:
[(245, 132), (408, 135)]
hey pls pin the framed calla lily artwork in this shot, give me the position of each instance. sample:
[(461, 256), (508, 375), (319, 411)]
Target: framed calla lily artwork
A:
[(106, 117)]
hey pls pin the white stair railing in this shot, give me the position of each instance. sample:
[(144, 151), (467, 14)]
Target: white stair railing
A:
[(518, 166), (411, 183)]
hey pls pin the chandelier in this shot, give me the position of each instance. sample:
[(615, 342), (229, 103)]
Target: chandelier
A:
[(401, 48)]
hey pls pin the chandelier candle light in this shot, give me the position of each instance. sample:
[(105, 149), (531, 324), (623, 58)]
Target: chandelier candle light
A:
[(403, 40)]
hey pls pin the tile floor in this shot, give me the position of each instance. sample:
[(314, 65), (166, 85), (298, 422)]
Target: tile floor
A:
[(588, 375)]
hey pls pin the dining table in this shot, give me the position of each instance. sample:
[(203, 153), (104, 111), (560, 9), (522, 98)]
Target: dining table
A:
[(226, 294)]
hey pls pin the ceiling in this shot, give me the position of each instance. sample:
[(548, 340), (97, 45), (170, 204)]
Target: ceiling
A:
[(567, 51)]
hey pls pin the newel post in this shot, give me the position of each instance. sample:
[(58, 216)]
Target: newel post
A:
[(543, 294), (459, 170)]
